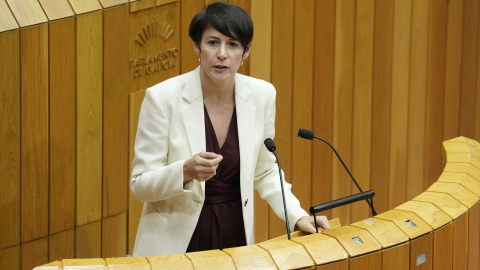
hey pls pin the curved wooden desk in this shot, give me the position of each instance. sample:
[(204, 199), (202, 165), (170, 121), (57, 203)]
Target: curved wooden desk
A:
[(438, 229)]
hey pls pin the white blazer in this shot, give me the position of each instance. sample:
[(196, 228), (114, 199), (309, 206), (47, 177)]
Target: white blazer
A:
[(170, 130)]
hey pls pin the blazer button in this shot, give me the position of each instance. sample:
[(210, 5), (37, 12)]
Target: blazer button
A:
[(246, 201)]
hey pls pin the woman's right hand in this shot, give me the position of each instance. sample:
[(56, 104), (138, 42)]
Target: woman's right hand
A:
[(201, 166)]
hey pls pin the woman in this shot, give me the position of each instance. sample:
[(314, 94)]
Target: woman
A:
[(199, 147)]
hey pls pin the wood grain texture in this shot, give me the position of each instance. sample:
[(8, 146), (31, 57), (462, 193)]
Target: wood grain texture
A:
[(356, 241), (27, 12), (417, 95), (188, 57), (410, 223), (282, 79), (399, 102), (61, 245), (10, 257), (371, 261), (85, 6), (56, 9), (460, 242), (435, 217), (287, 254), (473, 237), (112, 3), (62, 114), (211, 259), (115, 111), (88, 240), (114, 236), (343, 103), (362, 102), (7, 21), (443, 247), (419, 246), (89, 31), (302, 99), (385, 232), (179, 261), (10, 142), (34, 132), (134, 206), (34, 253), (251, 257), (381, 102), (397, 257), (323, 85)]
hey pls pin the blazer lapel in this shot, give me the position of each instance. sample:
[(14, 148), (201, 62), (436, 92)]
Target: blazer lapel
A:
[(246, 130), (193, 115)]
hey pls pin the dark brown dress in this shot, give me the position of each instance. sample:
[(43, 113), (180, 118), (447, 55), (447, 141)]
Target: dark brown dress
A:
[(221, 222)]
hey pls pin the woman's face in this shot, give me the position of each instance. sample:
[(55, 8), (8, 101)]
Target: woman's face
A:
[(220, 56)]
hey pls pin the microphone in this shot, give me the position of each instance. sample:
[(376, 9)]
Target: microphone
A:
[(271, 147), (309, 135)]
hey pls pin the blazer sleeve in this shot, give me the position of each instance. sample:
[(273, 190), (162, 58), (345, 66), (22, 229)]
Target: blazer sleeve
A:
[(267, 178), (153, 179)]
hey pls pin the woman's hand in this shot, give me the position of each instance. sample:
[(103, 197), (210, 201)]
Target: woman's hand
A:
[(307, 223), (201, 166)]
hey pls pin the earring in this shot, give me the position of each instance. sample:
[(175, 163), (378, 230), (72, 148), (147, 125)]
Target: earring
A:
[(241, 64), (199, 60)]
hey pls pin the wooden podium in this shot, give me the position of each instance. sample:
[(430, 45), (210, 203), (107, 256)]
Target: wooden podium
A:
[(439, 229)]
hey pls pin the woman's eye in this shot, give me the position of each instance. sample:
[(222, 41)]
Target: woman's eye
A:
[(212, 42), (233, 44)]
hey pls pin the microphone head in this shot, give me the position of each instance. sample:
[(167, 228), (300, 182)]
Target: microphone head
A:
[(270, 145), (306, 134)]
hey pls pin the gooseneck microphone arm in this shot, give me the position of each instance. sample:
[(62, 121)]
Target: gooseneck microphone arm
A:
[(271, 147), (309, 135)]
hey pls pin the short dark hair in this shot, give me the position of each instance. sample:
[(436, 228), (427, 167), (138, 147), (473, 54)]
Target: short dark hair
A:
[(228, 19)]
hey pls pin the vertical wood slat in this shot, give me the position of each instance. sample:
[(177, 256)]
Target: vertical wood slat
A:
[(27, 12), (34, 130), (399, 102), (468, 83), (10, 258), (115, 111), (323, 84), (62, 125), (88, 240), (362, 97), (10, 138), (134, 206), (61, 245), (260, 67), (417, 96), (381, 96), (188, 58), (89, 117), (460, 242), (302, 99), (114, 236), (443, 247), (453, 71), (85, 6), (34, 253), (281, 78), (434, 92), (342, 104)]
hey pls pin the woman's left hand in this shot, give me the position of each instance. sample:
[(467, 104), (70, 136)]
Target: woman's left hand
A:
[(307, 223)]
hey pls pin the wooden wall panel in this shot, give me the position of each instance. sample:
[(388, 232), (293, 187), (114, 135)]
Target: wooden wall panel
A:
[(434, 92), (61, 245), (460, 242), (281, 78), (115, 110), (302, 99), (10, 138), (56, 9), (85, 6), (89, 117), (397, 257), (468, 83), (342, 104), (443, 247), (260, 67), (134, 206), (381, 102), (417, 96), (114, 236), (7, 21), (27, 12), (372, 261), (34, 132), (362, 102), (10, 258), (473, 237), (453, 63), (323, 85), (62, 115), (34, 253), (188, 57), (88, 240), (399, 102)]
